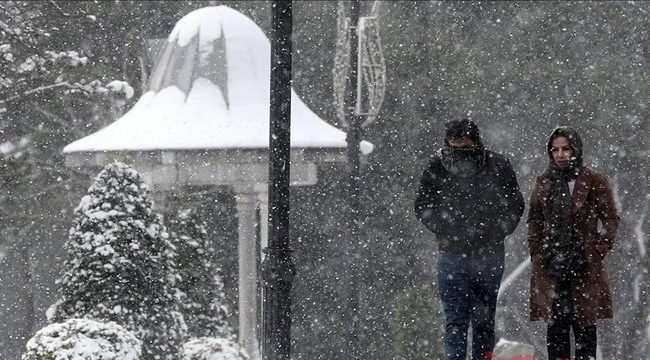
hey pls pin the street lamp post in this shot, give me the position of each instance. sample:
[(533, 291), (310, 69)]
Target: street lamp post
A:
[(359, 84), (353, 153), (278, 268)]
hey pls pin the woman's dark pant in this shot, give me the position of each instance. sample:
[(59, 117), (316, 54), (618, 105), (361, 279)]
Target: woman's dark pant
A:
[(468, 289), (558, 333)]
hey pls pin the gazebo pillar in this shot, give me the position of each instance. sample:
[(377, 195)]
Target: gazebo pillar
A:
[(262, 191), (249, 327)]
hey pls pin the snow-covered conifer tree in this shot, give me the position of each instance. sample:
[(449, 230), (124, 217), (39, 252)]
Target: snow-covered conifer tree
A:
[(200, 279), (120, 264)]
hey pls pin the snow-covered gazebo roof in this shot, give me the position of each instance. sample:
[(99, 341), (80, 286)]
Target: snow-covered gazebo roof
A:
[(210, 89)]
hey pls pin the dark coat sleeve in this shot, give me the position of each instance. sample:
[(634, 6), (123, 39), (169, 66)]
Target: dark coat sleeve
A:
[(513, 200), (427, 201), (607, 214)]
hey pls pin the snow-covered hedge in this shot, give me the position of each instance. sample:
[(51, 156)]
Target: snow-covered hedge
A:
[(82, 339), (206, 348)]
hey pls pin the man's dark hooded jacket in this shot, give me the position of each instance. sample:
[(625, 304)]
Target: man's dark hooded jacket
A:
[(470, 213)]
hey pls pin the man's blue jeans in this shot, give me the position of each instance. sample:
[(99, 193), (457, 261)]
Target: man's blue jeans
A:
[(468, 289)]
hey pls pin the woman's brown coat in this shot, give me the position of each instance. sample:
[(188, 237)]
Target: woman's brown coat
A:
[(591, 201)]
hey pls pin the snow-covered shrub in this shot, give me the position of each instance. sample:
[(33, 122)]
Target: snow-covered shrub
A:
[(213, 349), (120, 265), (83, 339), (200, 280), (418, 325)]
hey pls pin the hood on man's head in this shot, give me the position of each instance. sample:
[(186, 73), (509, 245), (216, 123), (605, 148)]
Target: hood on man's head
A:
[(574, 140), (463, 128)]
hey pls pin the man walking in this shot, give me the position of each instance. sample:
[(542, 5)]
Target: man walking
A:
[(470, 199)]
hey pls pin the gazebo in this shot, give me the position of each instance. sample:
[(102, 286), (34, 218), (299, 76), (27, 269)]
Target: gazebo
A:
[(205, 121)]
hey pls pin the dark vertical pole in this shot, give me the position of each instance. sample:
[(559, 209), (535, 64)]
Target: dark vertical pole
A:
[(278, 269), (353, 140)]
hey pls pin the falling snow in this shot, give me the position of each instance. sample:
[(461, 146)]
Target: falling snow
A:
[(75, 76)]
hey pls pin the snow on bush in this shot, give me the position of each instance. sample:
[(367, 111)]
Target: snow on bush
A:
[(213, 349), (120, 265), (120, 87), (200, 277), (82, 339)]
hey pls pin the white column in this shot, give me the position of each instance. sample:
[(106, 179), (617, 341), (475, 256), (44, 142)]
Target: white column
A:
[(249, 314), (262, 191)]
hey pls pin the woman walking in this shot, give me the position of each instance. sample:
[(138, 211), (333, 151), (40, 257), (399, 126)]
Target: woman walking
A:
[(569, 287)]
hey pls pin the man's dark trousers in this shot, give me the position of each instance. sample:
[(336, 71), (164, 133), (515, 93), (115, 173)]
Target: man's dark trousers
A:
[(468, 288)]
